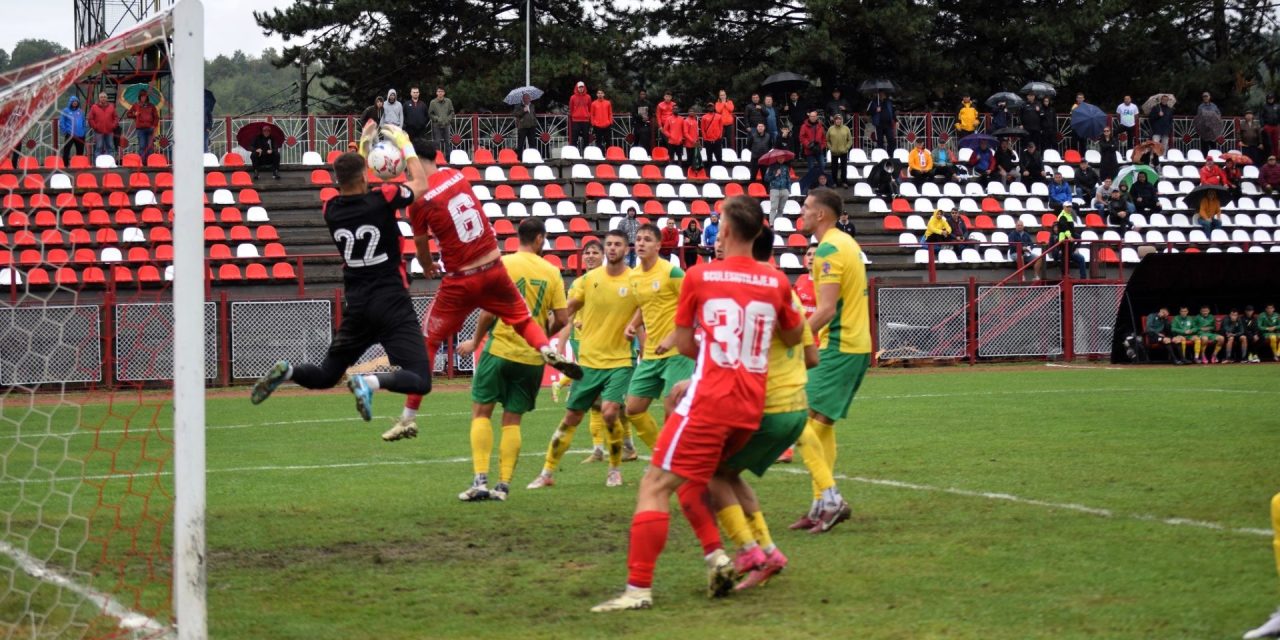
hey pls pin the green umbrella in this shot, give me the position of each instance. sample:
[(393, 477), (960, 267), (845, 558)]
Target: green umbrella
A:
[(1129, 175), (129, 96)]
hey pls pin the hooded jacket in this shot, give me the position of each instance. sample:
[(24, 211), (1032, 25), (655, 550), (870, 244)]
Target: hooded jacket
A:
[(392, 112), (601, 114), (937, 225), (580, 105), (72, 123), (144, 114), (673, 129), (967, 120), (103, 118)]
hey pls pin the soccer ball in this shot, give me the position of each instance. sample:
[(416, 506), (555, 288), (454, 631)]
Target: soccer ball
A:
[(385, 160)]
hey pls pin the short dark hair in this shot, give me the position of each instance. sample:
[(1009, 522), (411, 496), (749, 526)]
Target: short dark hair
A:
[(650, 228), (439, 88), (349, 168), (762, 248), (426, 150), (828, 198), (744, 215), (618, 233), (593, 242), (530, 229)]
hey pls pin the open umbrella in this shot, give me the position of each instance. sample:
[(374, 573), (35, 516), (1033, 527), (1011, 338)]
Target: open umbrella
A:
[(1129, 175), (247, 133), (1041, 89), (1010, 132), (785, 82), (517, 95), (972, 141), (1009, 98), (776, 156), (1208, 125), (1154, 100), (1088, 120), (1236, 157), (129, 96), (876, 86), (1143, 148), (1197, 194)]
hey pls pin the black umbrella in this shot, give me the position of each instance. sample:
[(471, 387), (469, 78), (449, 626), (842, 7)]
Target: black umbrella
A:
[(1197, 194), (785, 82), (1009, 98), (1010, 132), (876, 86), (1041, 89)]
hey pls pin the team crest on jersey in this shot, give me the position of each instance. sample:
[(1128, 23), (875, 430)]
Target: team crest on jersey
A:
[(826, 267), (656, 285), (622, 291)]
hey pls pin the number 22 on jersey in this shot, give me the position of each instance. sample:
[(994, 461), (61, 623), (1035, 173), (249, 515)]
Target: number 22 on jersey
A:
[(348, 241)]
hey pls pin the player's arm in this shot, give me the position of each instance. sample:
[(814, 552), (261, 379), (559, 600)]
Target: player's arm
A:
[(828, 294), (417, 181), (559, 321), (484, 324), (422, 242), (685, 343), (633, 327)]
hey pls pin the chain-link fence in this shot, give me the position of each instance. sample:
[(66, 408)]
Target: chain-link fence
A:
[(50, 344), (921, 322), (264, 332), (1020, 321), (144, 341), (1093, 317)]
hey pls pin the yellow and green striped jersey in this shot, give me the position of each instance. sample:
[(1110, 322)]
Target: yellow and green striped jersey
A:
[(657, 291), (539, 283), (607, 308), (838, 260)]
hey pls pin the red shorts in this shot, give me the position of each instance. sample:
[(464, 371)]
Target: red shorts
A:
[(459, 296), (694, 451)]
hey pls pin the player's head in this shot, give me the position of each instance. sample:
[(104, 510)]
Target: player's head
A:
[(762, 248), (349, 169), (1183, 310), (1204, 309), (743, 221), (615, 247), (532, 232), (648, 239), (426, 154), (592, 254), (1163, 312), (1271, 308), (821, 209), (1235, 313), (808, 255), (1248, 310)]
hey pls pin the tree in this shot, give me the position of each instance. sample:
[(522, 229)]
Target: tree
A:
[(247, 84), (31, 51), (4, 60)]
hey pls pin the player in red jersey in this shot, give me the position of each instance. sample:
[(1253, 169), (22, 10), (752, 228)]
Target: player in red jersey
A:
[(738, 303), (804, 284), (474, 276)]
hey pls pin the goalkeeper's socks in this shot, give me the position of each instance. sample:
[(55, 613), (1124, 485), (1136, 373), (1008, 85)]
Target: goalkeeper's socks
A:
[(408, 414)]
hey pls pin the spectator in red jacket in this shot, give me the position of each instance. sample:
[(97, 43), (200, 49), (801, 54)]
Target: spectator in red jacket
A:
[(670, 239), (663, 112), (145, 119), (602, 119), (1269, 176), (103, 119), (691, 139), (713, 133), (813, 146), (1211, 173), (580, 116), (673, 132)]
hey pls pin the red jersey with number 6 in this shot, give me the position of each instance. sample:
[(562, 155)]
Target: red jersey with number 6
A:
[(450, 210), (737, 302)]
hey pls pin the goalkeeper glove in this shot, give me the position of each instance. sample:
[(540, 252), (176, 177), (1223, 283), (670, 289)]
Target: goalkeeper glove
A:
[(366, 138), (401, 139)]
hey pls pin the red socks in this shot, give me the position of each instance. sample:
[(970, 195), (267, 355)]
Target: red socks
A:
[(648, 537), (532, 333), (695, 502)]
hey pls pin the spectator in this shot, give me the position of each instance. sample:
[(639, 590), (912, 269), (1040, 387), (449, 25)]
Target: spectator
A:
[(1269, 176), (937, 230), (1059, 192), (692, 238), (1101, 196), (1185, 330), (844, 224), (770, 118), (1208, 328), (1048, 125), (103, 119), (1064, 228), (1250, 341), (967, 119), (1007, 162), (883, 120), (393, 112), (1079, 142), (759, 143), (959, 226), (724, 109), (944, 162), (670, 241), (778, 178), (1128, 113), (693, 155), (440, 112), (145, 119), (209, 102), (1108, 148), (1030, 117), (713, 128), (1031, 168), (1000, 117), (1206, 105), (1157, 331), (629, 225), (754, 112), (883, 178), (602, 120), (1252, 139), (73, 125), (920, 163), (664, 112), (1149, 157), (526, 124), (1209, 215), (1271, 123), (839, 142), (785, 140), (1161, 117), (642, 121), (1118, 211), (709, 235), (1143, 195), (1020, 242), (983, 161), (580, 116), (1233, 329), (265, 153), (1207, 108), (794, 111), (372, 112), (1269, 326), (1087, 180), (1232, 171), (1211, 173), (415, 114), (837, 106), (813, 144), (673, 133)]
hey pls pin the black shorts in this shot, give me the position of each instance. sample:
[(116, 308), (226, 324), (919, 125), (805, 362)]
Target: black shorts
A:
[(382, 317), (1155, 336)]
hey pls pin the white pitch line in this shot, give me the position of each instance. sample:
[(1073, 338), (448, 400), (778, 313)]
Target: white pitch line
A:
[(129, 619)]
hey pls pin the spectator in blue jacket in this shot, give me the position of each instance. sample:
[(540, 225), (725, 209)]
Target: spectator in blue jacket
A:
[(1000, 116), (709, 235), (73, 125), (770, 118), (983, 160), (1059, 192), (883, 119)]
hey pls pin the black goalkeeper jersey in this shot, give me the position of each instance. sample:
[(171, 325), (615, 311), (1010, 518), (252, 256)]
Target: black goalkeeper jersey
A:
[(365, 231)]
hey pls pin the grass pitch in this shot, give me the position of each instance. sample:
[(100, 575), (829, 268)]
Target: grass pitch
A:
[(992, 502)]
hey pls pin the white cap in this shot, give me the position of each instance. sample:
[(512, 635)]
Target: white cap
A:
[(581, 83)]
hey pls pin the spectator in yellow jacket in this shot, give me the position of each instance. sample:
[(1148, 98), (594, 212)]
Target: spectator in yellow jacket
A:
[(938, 230), (967, 119), (920, 162), (839, 141)]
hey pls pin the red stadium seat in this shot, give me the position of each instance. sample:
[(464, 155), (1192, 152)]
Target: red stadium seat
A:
[(984, 222), (44, 218), (138, 254), (596, 190), (333, 155), (642, 191), (148, 274), (159, 234), (482, 157), (152, 215), (615, 154), (37, 277), (511, 245), (230, 215), (80, 162), (67, 276), (17, 219), (574, 263), (1071, 156), (472, 174), (106, 236), (66, 201), (328, 193), (57, 257), (8, 181), (267, 233), (240, 233), (408, 247), (72, 218), (39, 201), (283, 271), (93, 275), (651, 172), (1093, 220), (503, 227), (80, 237), (699, 208), (517, 173), (164, 252), (120, 273), (232, 159), (51, 238), (249, 196), (209, 217), (273, 250), (660, 154), (117, 199), (256, 271), (54, 163), (214, 234), (157, 161), (139, 180), (579, 225), (229, 273), (92, 199), (112, 182), (894, 223), (84, 256), (797, 240), (215, 179), (757, 190), (126, 217), (1108, 255), (241, 179), (555, 261), (164, 179), (565, 243), (553, 192), (504, 192), (508, 156), (321, 176), (86, 181), (131, 161), (606, 172), (30, 257), (33, 181), (1042, 237), (900, 205), (219, 252), (733, 189), (654, 207)]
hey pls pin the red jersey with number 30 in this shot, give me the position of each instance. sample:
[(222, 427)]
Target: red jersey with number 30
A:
[(737, 302), (450, 210)]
